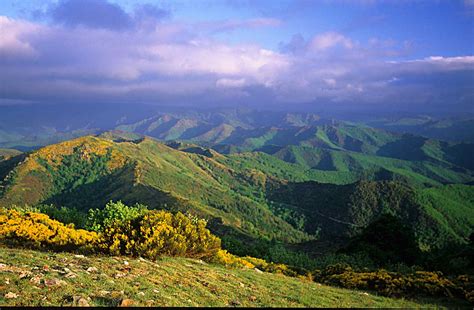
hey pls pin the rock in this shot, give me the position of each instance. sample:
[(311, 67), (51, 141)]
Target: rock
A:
[(25, 274), (142, 259), (11, 295), (126, 302), (241, 284), (66, 270), (92, 269), (103, 293), (80, 301), (117, 294), (125, 263), (234, 303), (54, 282), (156, 291), (150, 302), (252, 298), (7, 281), (36, 279), (70, 275), (141, 294), (258, 270), (120, 275), (79, 256)]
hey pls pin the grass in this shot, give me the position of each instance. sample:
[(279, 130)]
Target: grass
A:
[(167, 282)]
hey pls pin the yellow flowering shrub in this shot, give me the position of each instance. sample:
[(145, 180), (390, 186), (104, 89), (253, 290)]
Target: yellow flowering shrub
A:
[(225, 258), (159, 233), (37, 230), (228, 259), (430, 283)]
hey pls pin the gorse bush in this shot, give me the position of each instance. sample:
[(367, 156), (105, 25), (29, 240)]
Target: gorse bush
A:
[(225, 258), (157, 233), (427, 283), (37, 230), (100, 219)]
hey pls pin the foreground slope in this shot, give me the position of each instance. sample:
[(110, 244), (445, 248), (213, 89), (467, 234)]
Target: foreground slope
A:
[(31, 278)]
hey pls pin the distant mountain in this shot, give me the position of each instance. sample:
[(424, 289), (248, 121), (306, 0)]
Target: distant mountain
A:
[(447, 129)]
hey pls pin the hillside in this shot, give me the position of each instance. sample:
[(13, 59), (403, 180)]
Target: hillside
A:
[(249, 196), (8, 153), (358, 150), (87, 172), (31, 278), (447, 129)]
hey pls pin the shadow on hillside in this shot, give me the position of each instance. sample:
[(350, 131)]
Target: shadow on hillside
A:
[(119, 185)]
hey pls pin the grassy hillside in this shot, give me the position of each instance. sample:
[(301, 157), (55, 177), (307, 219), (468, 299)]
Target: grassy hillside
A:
[(87, 172), (363, 151), (248, 196), (438, 215), (31, 278)]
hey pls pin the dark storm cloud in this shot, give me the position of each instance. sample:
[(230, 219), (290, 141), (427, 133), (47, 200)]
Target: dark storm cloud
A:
[(98, 52), (90, 13)]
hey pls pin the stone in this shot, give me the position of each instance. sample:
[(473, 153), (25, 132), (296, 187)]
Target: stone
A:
[(70, 275), (54, 282), (103, 293), (120, 275), (36, 279), (25, 274), (92, 269), (258, 270), (126, 302), (80, 301), (11, 295), (252, 298)]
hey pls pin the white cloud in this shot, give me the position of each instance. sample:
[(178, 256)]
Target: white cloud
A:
[(329, 40), (173, 60)]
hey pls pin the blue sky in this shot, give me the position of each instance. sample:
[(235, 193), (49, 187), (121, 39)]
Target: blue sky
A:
[(274, 51)]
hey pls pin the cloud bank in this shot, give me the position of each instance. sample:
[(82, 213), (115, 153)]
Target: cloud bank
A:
[(98, 52)]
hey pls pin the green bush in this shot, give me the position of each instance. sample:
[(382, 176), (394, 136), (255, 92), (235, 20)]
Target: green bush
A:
[(99, 219), (65, 215)]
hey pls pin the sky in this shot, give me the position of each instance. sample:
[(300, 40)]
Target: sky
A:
[(406, 53)]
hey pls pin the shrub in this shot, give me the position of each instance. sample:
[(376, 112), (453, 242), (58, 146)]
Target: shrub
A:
[(387, 283), (225, 258), (157, 233), (99, 219), (37, 230), (65, 215)]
